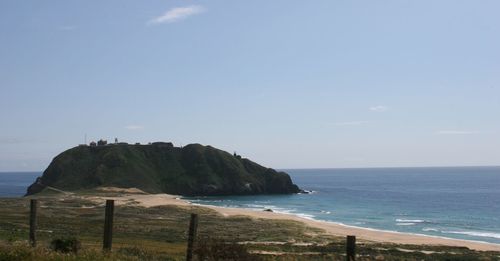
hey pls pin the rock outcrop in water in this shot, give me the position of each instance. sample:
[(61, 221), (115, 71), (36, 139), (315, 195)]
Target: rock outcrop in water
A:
[(160, 167)]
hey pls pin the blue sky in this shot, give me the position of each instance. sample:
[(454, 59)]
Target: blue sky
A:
[(289, 84)]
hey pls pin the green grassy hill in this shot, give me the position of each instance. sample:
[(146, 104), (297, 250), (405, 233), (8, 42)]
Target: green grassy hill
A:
[(160, 167)]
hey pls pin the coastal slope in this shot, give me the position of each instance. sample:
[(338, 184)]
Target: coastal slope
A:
[(192, 170)]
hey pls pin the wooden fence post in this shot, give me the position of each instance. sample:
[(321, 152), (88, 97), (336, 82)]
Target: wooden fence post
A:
[(351, 248), (193, 226), (108, 225), (33, 210)]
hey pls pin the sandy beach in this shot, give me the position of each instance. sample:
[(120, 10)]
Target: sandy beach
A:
[(135, 196)]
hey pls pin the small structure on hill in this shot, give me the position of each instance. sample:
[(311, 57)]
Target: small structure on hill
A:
[(102, 142), (163, 144), (93, 144)]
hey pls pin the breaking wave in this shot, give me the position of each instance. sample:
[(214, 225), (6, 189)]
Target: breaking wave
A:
[(475, 233), (410, 220)]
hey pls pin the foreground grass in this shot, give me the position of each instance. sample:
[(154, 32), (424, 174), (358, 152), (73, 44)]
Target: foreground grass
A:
[(21, 251), (160, 233)]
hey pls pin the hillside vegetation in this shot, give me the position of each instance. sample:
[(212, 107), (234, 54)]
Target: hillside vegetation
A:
[(192, 170)]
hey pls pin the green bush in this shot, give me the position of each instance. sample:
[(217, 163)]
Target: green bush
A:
[(66, 245)]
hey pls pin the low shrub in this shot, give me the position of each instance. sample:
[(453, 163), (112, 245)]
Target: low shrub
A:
[(66, 245)]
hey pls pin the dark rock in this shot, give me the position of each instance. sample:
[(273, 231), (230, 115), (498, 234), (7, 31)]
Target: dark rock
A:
[(36, 187)]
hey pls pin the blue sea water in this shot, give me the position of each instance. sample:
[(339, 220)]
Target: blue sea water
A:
[(455, 202), (14, 184)]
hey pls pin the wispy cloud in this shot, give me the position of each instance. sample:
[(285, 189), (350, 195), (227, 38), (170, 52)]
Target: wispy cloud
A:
[(134, 127), (457, 132), (379, 108), (350, 123), (177, 14), (67, 28)]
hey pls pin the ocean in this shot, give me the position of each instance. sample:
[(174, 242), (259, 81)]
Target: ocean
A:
[(14, 184), (452, 202)]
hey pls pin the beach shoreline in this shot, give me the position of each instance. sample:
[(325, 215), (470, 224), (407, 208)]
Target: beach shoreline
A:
[(331, 228)]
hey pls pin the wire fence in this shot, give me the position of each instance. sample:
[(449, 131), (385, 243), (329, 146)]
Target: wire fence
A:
[(90, 221)]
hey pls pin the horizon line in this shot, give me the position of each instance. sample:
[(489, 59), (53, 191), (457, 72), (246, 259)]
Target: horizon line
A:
[(396, 167), (321, 168)]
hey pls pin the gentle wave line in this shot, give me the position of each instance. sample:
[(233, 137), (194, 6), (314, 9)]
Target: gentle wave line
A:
[(410, 220), (475, 233)]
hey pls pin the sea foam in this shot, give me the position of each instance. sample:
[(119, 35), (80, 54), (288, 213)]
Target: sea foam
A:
[(430, 229), (475, 233), (410, 220)]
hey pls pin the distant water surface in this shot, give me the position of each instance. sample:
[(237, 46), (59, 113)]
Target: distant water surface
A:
[(458, 202), (14, 184)]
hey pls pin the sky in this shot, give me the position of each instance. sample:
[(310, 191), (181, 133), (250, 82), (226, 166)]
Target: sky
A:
[(288, 84)]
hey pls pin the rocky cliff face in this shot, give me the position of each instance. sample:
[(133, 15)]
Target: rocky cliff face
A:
[(192, 170)]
